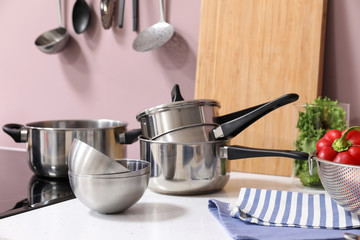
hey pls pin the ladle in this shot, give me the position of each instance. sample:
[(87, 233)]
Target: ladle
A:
[(80, 16), (154, 36), (107, 8), (55, 40)]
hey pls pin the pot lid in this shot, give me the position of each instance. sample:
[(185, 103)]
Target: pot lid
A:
[(178, 105)]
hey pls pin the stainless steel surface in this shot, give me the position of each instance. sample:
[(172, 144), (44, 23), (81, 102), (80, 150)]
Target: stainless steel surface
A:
[(135, 167), (55, 40), (107, 8), (190, 121), (109, 195), (49, 142), (184, 168), (80, 16), (165, 118), (190, 134), (341, 182), (154, 36), (84, 159)]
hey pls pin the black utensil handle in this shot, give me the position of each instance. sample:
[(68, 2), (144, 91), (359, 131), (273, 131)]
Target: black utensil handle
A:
[(176, 94), (234, 127), (239, 152), (121, 13), (129, 137), (14, 131), (135, 14)]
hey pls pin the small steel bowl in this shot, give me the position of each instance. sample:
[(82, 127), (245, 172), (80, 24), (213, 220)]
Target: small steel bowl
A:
[(84, 159), (111, 193)]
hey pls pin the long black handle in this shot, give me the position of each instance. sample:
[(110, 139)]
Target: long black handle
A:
[(135, 14), (239, 152), (234, 127), (231, 116), (14, 131), (121, 13)]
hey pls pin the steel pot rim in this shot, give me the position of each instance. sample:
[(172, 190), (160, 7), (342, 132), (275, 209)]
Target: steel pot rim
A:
[(178, 105), (153, 141), (42, 124)]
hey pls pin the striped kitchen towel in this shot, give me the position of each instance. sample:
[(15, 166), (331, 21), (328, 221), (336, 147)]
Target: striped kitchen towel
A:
[(292, 209)]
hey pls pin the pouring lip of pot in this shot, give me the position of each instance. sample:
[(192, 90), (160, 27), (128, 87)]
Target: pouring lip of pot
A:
[(77, 124), (178, 105)]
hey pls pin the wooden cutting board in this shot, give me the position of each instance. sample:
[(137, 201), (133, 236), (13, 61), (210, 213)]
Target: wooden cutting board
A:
[(253, 51)]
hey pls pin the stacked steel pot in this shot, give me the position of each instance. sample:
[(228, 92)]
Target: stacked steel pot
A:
[(49, 142), (186, 142)]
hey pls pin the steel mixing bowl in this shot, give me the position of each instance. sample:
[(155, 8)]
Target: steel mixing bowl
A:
[(84, 159), (135, 168), (111, 194)]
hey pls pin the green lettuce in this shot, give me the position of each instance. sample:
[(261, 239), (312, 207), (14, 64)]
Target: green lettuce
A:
[(319, 117)]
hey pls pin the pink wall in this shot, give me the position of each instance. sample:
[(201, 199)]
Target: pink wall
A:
[(98, 75), (342, 55)]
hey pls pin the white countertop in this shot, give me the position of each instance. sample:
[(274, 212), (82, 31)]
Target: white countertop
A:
[(155, 216)]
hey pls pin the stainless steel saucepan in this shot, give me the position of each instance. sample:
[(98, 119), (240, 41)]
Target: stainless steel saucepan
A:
[(199, 121), (193, 168), (199, 168), (49, 142)]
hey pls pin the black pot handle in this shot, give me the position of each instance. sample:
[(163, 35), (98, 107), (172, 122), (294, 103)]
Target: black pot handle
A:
[(129, 137), (234, 127), (176, 94), (18, 132), (239, 152), (231, 116)]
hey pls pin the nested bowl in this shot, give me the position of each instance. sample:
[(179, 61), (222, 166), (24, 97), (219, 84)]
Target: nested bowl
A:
[(112, 193)]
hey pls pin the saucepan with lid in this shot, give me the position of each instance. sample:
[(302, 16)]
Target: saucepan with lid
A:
[(198, 120), (49, 142)]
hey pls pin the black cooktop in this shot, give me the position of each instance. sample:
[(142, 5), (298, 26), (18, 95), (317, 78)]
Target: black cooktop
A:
[(21, 190)]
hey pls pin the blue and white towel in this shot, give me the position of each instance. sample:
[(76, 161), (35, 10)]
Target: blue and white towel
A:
[(242, 230), (292, 209)]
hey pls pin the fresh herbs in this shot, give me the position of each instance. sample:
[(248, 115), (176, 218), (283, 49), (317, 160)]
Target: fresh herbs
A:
[(319, 117)]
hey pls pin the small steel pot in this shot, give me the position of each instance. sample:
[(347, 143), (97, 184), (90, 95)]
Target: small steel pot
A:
[(165, 118), (176, 121), (195, 168), (49, 142)]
